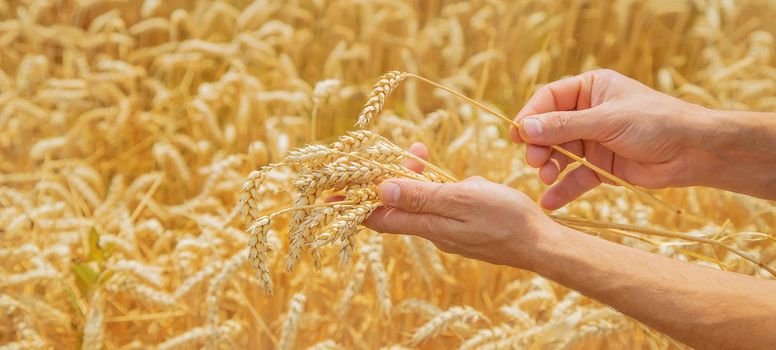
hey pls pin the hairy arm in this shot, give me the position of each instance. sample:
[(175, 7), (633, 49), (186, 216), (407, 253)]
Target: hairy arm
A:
[(739, 152), (701, 307)]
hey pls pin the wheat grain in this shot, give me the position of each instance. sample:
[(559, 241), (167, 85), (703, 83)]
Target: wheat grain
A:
[(215, 90)]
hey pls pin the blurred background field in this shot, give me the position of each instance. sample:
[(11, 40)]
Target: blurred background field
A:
[(127, 127)]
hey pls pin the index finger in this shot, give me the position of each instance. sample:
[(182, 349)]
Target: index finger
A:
[(562, 95), (419, 150)]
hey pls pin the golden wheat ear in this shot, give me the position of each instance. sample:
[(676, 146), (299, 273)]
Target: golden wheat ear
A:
[(389, 81)]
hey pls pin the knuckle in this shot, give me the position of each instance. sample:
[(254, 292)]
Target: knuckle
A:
[(559, 121), (430, 226), (605, 73), (475, 178), (459, 196), (418, 199)]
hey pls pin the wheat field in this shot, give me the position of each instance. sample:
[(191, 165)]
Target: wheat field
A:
[(132, 132)]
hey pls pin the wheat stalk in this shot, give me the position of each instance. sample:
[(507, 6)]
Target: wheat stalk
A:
[(390, 80)]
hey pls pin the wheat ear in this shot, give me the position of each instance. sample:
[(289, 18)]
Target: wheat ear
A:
[(377, 97), (390, 80)]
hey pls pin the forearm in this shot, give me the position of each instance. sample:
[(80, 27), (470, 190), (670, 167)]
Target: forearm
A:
[(699, 306), (738, 152)]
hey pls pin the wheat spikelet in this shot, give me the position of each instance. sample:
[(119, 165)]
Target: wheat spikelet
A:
[(432, 255), (594, 325), (291, 322), (302, 235), (29, 277), (355, 282), (387, 83), (173, 162), (215, 288), (198, 335), (187, 339), (344, 225), (257, 251), (28, 337), (445, 320), (416, 305), (124, 283), (517, 316), (90, 91), (484, 336), (375, 257), (45, 313), (416, 257), (85, 190), (147, 273), (354, 140), (324, 89), (311, 155), (197, 278), (327, 344), (565, 305)]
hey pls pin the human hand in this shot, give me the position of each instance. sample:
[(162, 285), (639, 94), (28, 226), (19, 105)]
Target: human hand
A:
[(642, 136), (474, 218)]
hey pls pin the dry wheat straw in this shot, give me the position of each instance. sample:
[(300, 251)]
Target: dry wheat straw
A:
[(94, 329), (171, 106)]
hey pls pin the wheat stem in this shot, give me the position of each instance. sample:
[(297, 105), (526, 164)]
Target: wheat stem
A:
[(574, 221), (311, 206), (562, 150), (421, 160)]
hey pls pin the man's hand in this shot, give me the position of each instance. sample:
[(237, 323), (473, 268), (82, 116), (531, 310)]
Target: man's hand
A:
[(640, 135), (474, 218), (482, 220)]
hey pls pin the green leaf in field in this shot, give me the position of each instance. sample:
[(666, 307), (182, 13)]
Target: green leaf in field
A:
[(96, 253), (85, 275)]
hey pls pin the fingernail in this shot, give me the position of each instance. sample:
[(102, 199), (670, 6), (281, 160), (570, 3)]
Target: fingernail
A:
[(532, 127), (389, 192)]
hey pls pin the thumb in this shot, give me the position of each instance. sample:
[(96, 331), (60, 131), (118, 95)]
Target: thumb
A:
[(555, 128), (412, 195)]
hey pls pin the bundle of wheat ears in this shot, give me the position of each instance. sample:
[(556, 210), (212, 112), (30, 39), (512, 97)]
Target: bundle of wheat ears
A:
[(356, 164), (127, 129)]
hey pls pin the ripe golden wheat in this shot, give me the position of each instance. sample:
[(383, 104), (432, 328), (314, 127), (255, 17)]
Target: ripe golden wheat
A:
[(128, 127)]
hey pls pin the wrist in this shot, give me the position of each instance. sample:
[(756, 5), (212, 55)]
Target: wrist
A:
[(737, 152), (556, 243)]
